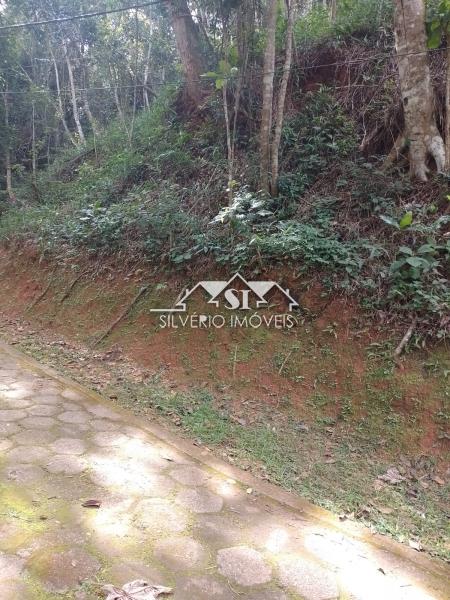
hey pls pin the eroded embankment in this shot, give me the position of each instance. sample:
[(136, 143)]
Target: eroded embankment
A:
[(320, 408)]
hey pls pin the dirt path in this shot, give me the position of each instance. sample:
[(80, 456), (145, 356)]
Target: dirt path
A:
[(168, 513)]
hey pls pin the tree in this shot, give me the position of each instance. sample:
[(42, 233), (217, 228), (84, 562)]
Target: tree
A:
[(189, 48), (438, 26), (267, 95), (275, 149), (421, 131)]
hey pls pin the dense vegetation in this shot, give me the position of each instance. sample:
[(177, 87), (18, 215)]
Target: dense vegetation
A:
[(144, 173)]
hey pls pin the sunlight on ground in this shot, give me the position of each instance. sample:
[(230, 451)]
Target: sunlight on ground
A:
[(360, 570)]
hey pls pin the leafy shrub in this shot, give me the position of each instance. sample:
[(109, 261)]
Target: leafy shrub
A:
[(354, 18), (310, 245), (319, 135)]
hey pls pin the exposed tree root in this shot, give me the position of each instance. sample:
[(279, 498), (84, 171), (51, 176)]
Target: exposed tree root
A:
[(397, 148), (405, 339), (71, 286), (43, 294), (120, 318)]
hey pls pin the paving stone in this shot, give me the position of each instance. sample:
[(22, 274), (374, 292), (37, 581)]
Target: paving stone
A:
[(71, 406), (76, 430), (43, 410), (103, 425), (11, 566), (47, 398), (27, 454), (173, 456), (307, 578), (200, 500), (63, 487), (17, 394), (68, 446), (124, 571), (217, 530), (73, 416), (103, 412), (146, 453), (243, 565), (9, 415), (72, 394), (160, 516), (135, 432), (5, 445), (24, 474), (192, 476), (34, 436), (66, 464), (108, 471), (200, 588), (62, 571), (20, 403), (110, 438), (38, 422), (180, 553), (15, 590), (7, 429)]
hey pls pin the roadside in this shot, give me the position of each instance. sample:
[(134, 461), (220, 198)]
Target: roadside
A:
[(321, 411), (91, 495), (324, 460)]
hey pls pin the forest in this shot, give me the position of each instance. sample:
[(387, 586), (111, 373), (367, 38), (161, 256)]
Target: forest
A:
[(235, 133), (149, 146)]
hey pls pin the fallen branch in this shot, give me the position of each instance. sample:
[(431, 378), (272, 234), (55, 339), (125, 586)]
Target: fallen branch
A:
[(43, 294), (121, 316), (405, 339)]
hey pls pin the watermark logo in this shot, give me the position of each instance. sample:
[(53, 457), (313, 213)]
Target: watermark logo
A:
[(225, 298)]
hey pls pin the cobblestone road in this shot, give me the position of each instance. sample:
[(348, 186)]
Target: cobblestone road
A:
[(165, 515)]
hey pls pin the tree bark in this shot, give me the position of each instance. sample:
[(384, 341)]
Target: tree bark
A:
[(8, 168), (90, 116), (189, 47), (416, 90), (447, 109), (229, 143), (146, 71), (267, 95), (333, 10), (73, 95), (281, 99), (60, 102)]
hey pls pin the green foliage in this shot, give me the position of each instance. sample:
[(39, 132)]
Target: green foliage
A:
[(310, 247), (316, 137), (437, 22), (359, 18)]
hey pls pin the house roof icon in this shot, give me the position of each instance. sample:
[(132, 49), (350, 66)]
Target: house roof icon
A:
[(215, 288)]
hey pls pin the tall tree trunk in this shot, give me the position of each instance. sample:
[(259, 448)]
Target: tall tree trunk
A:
[(60, 101), (416, 88), (73, 95), (189, 47), (282, 98), (90, 116), (447, 109), (8, 168), (333, 10), (146, 71), (33, 144), (229, 143), (267, 95)]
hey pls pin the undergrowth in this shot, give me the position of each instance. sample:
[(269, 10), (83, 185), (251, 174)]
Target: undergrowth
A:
[(160, 195)]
